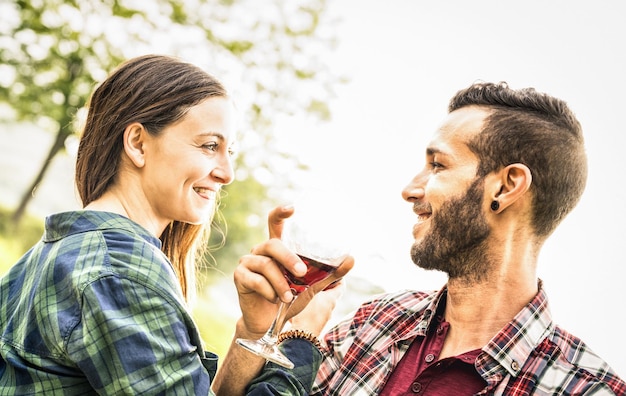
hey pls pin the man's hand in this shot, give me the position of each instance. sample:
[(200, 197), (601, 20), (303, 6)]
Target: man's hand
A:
[(260, 282)]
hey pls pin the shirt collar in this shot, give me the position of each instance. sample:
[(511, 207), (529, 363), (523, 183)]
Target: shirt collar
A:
[(431, 310), (63, 224), (512, 346)]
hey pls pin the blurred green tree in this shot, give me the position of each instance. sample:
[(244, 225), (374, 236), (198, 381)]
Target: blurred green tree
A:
[(54, 52)]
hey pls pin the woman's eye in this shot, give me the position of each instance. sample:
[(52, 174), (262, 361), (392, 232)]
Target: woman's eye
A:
[(210, 146)]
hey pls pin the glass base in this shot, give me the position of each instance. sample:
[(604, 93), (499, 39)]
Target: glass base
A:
[(268, 351)]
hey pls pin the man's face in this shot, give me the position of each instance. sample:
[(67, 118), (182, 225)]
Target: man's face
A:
[(448, 198), (454, 243)]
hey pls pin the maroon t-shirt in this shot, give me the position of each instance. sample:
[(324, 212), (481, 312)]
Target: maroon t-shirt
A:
[(420, 372)]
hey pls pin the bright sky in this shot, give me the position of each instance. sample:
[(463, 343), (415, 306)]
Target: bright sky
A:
[(405, 59)]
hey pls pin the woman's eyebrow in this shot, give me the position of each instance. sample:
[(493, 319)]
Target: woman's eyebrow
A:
[(218, 135)]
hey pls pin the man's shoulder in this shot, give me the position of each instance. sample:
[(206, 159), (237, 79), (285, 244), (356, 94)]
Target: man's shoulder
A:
[(396, 306), (402, 299), (572, 355), (576, 351)]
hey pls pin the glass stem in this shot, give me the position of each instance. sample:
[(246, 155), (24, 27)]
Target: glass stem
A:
[(271, 335)]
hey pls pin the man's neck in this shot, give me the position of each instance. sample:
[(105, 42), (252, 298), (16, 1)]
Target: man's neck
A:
[(478, 311)]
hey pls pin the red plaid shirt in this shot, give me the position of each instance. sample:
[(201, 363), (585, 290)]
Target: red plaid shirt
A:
[(529, 356)]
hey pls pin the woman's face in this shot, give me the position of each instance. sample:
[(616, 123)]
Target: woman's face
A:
[(187, 164)]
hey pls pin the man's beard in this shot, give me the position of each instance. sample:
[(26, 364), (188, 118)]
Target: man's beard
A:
[(455, 242)]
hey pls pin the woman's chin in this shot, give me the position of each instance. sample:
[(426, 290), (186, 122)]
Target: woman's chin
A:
[(198, 218)]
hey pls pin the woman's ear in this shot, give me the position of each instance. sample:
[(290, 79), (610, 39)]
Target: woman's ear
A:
[(514, 182), (134, 139)]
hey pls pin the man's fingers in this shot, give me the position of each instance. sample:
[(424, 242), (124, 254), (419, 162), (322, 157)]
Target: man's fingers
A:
[(248, 280), (261, 275), (278, 252), (276, 219)]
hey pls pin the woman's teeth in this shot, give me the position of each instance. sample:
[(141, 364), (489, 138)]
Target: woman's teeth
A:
[(205, 192)]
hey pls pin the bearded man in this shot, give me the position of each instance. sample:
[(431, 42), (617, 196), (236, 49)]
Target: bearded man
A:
[(501, 172)]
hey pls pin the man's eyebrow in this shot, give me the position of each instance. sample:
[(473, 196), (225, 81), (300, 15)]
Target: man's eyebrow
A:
[(433, 151)]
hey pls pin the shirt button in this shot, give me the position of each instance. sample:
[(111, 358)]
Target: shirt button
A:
[(429, 358), (416, 387), (515, 365)]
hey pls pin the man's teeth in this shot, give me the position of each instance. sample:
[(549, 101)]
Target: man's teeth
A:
[(422, 218)]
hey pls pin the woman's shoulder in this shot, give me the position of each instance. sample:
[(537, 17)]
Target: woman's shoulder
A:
[(92, 244)]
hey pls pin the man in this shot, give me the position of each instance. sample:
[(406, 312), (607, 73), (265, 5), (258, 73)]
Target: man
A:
[(502, 171)]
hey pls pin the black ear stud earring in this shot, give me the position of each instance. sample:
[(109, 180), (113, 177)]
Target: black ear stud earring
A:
[(495, 205)]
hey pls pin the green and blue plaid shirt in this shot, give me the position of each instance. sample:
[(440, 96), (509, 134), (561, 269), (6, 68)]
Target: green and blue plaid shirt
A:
[(95, 307)]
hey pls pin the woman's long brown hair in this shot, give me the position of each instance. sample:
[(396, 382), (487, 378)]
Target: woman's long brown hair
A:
[(156, 91)]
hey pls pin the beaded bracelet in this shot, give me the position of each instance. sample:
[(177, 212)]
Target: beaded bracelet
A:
[(305, 335)]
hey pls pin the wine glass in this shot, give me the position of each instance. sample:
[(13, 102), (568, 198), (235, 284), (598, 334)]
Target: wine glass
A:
[(313, 233)]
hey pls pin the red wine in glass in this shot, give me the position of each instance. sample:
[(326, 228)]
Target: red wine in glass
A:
[(316, 271)]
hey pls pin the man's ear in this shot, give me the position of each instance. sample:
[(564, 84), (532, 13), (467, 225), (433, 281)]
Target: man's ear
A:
[(134, 139), (514, 181)]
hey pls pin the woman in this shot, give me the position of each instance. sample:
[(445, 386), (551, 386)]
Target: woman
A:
[(100, 304)]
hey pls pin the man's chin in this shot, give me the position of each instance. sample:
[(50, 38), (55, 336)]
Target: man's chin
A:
[(424, 260), (421, 261)]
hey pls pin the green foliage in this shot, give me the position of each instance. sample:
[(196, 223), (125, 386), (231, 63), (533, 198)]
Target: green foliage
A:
[(216, 328), (51, 65), (54, 52), (14, 242), (240, 223)]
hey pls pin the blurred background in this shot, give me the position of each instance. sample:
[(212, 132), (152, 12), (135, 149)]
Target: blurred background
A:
[(341, 95)]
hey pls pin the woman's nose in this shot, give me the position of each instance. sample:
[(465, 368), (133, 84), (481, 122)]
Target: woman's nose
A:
[(224, 172)]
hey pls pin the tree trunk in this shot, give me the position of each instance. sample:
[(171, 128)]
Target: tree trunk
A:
[(57, 146)]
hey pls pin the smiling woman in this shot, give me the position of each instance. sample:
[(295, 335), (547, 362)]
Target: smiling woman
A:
[(127, 153), (109, 285)]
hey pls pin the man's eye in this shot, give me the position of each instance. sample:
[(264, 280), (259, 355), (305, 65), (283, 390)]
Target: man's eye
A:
[(436, 165)]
